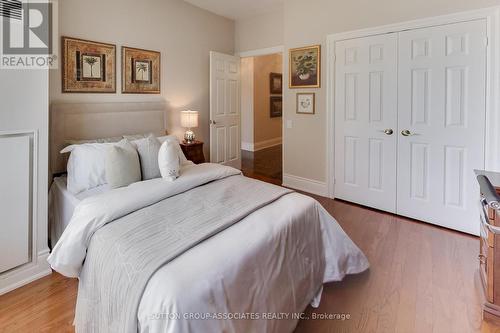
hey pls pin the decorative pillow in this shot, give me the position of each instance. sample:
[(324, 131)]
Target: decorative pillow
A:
[(169, 161), (122, 165), (148, 149), (86, 166), (173, 138)]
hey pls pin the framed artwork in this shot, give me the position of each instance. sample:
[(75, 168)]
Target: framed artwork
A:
[(87, 66), (305, 67), (276, 106), (276, 83), (306, 103), (140, 71)]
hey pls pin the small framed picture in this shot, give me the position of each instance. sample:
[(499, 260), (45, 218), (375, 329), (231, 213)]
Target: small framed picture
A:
[(306, 103), (141, 71), (88, 66), (276, 106), (276, 83)]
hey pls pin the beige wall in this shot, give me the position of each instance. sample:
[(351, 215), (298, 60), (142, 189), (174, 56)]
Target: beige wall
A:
[(258, 32), (184, 35), (308, 23), (265, 127)]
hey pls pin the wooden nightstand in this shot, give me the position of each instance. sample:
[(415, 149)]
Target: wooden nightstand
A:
[(193, 151)]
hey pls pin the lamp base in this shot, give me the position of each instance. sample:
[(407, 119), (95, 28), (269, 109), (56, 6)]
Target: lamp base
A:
[(189, 136)]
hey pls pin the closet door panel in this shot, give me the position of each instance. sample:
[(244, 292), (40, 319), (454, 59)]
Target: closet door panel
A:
[(442, 75), (365, 107)]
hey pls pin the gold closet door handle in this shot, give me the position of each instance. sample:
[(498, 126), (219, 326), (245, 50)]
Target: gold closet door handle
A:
[(405, 132), (482, 258), (388, 131)]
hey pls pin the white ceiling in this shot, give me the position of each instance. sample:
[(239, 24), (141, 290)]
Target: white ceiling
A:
[(237, 9)]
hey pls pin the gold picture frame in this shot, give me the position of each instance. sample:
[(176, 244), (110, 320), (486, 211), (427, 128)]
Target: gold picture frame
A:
[(88, 66), (141, 71), (304, 67), (306, 103)]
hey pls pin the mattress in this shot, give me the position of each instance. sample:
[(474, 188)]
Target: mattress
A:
[(62, 204)]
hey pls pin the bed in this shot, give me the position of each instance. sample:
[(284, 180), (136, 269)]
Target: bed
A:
[(212, 251)]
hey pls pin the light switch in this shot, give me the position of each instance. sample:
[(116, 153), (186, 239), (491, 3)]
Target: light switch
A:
[(289, 123)]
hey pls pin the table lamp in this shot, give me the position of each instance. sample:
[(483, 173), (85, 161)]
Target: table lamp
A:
[(189, 119)]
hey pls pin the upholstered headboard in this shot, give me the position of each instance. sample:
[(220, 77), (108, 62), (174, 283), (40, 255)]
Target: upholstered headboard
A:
[(87, 121)]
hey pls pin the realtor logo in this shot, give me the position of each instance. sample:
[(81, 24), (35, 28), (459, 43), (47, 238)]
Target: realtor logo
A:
[(29, 34)]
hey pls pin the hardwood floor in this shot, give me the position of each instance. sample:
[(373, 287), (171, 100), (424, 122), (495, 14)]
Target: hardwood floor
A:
[(265, 164), (422, 279)]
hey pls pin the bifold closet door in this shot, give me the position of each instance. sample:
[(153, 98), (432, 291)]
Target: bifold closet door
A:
[(442, 89), (366, 121)]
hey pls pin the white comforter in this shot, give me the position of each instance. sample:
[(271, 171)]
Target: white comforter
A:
[(271, 264)]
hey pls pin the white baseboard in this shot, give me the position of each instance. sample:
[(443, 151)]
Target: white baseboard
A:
[(261, 145), (25, 274), (247, 146), (306, 185)]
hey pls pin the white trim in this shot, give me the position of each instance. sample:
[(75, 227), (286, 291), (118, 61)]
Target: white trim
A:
[(492, 137), (26, 274), (306, 185), (247, 146), (261, 145), (261, 52)]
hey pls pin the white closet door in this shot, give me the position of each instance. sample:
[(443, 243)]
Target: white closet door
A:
[(366, 121), (442, 106)]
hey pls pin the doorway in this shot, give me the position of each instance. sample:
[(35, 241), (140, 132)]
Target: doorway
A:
[(261, 116)]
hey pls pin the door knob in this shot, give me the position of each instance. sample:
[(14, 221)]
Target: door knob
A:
[(388, 131), (212, 122), (405, 132)]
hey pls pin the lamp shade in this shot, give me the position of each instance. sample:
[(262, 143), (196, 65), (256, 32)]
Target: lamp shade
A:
[(189, 119)]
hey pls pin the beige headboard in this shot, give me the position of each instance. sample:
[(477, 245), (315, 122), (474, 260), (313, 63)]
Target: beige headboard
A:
[(87, 121)]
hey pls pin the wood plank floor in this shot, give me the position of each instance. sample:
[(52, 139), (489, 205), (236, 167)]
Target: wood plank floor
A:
[(422, 279)]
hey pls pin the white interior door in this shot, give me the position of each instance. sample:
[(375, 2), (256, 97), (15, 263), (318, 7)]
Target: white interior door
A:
[(225, 130), (442, 78), (366, 121)]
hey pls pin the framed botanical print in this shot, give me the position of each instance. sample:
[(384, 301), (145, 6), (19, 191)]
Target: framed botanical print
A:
[(88, 66), (140, 71), (276, 83), (306, 103), (305, 67), (276, 106)]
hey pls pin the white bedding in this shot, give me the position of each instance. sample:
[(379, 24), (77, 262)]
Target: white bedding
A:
[(274, 261), (62, 204)]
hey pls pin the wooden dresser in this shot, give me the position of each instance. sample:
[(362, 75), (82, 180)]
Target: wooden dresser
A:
[(489, 250)]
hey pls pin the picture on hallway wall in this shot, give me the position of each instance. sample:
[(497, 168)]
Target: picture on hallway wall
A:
[(276, 83), (87, 66), (305, 67), (276, 106), (306, 103), (140, 71)]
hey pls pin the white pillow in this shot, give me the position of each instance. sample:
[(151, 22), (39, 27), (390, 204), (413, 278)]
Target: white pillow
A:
[(169, 161), (173, 138), (86, 166), (122, 165), (148, 149)]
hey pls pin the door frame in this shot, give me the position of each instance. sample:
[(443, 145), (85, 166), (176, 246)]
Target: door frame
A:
[(492, 136), (267, 51)]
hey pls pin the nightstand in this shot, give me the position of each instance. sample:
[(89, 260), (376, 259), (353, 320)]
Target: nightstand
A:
[(193, 151)]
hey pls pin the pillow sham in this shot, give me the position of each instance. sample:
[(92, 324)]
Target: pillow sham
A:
[(86, 166), (169, 161), (148, 149), (122, 165)]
